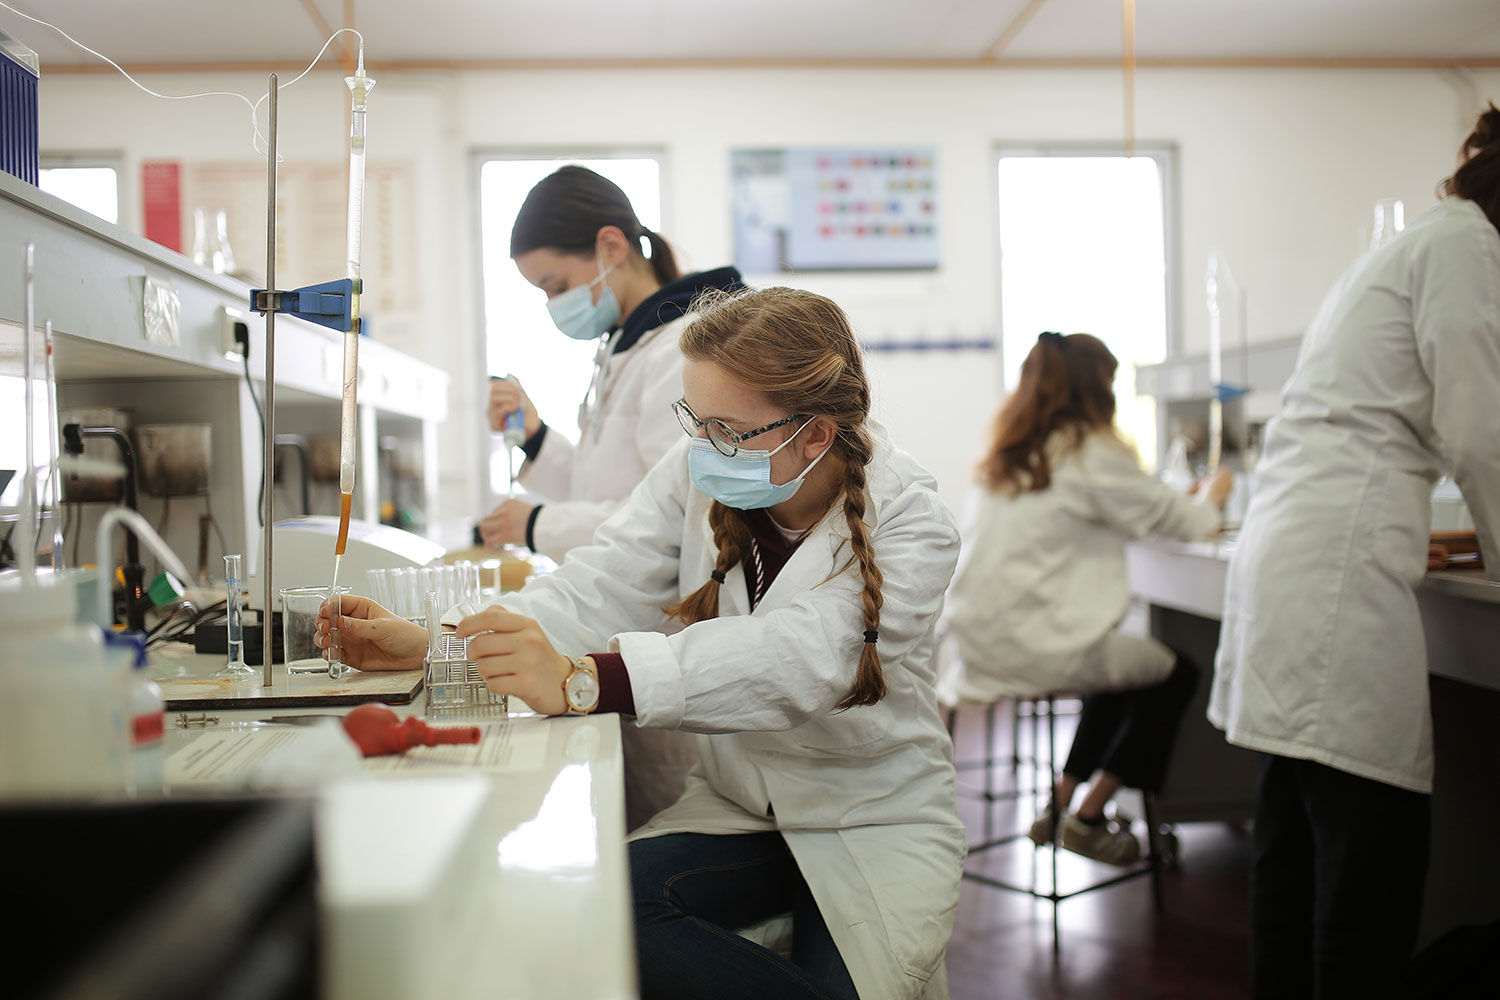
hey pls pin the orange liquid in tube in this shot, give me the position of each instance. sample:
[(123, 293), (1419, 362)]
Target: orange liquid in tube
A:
[(346, 505)]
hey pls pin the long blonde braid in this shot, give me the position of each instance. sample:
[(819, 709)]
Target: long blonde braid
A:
[(869, 680)]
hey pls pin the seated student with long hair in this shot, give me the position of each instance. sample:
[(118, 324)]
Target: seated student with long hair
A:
[(807, 558), (1041, 586)]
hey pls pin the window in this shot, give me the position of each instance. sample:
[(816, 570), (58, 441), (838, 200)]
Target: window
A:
[(1083, 249), (520, 338), (91, 183)]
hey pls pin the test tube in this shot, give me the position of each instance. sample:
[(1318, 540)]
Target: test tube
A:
[(468, 582), (414, 591), (234, 609), (396, 581), (377, 580), (430, 580), (450, 587), (337, 668), (434, 627)]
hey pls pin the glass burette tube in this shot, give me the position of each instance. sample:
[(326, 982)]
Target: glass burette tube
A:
[(359, 90)]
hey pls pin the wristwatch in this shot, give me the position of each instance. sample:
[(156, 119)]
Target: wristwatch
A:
[(581, 688)]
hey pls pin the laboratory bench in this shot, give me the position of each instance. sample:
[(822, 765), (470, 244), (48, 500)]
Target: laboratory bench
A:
[(445, 876), (1182, 586)]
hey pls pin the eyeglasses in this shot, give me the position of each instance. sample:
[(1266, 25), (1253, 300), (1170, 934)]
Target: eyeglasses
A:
[(719, 435)]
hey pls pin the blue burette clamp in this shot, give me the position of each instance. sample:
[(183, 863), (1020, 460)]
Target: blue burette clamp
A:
[(327, 304)]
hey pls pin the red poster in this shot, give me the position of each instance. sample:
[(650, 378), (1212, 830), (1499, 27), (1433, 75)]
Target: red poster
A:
[(161, 203)]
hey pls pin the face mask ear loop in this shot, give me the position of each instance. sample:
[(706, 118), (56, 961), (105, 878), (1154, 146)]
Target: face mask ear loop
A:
[(789, 440), (599, 259)]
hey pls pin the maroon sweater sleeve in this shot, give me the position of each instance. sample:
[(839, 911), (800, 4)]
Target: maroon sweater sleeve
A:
[(615, 694)]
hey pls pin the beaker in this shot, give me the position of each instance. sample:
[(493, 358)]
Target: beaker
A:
[(299, 626)]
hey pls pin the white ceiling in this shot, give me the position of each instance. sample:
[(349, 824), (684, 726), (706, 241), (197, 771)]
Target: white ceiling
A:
[(206, 31)]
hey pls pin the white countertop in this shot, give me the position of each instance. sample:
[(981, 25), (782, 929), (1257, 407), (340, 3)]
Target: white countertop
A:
[(492, 881), (1472, 584), (1460, 607)]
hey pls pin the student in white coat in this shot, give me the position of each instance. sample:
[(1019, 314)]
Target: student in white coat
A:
[(808, 558), (1321, 662), (1041, 588), (577, 238)]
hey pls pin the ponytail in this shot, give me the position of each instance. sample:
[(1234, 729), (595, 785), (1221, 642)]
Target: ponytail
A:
[(663, 260)]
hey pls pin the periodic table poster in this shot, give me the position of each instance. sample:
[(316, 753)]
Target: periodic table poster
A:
[(835, 209)]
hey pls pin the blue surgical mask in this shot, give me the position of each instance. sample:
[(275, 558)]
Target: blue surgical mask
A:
[(742, 480), (577, 314)]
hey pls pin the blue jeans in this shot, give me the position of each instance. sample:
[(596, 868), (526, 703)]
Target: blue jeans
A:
[(692, 891)]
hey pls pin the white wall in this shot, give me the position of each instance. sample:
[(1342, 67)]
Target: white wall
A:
[(1277, 171)]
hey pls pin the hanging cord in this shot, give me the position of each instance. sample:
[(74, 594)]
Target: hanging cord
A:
[(161, 529), (258, 142), (208, 508), (1128, 63), (260, 491)]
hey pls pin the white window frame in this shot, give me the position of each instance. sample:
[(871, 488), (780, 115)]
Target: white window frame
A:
[(1165, 155), (86, 159), (478, 157)]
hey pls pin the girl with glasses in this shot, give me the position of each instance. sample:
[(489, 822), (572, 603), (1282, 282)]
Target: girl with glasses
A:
[(801, 560)]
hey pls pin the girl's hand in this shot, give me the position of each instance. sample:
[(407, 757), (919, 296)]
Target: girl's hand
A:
[(515, 657), (1219, 487), (506, 524), (506, 397), (372, 638)]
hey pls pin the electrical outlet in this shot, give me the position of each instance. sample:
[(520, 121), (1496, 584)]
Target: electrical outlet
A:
[(230, 344)]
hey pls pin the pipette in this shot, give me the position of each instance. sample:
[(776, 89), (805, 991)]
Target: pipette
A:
[(359, 89), (514, 435)]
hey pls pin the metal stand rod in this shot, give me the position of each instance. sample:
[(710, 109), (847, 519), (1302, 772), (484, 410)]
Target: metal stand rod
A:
[(267, 616)]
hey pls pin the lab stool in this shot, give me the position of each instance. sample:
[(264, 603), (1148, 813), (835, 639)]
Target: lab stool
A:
[(1044, 708), (1021, 708)]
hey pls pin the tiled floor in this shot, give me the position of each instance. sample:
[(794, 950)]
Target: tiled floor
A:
[(1114, 944)]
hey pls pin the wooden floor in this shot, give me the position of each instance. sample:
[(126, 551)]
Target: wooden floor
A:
[(1114, 943)]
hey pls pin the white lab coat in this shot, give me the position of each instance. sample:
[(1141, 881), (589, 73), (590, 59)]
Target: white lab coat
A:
[(1041, 584), (625, 427), (1322, 656), (864, 797)]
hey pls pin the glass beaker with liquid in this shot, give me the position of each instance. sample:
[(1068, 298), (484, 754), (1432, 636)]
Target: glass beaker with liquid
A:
[(299, 625)]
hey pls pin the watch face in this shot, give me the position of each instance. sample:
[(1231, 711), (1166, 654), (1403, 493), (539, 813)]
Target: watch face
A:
[(583, 690)]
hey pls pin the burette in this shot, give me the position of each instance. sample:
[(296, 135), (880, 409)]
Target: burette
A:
[(359, 89)]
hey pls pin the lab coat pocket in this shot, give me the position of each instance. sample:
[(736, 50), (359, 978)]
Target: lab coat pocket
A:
[(854, 727), (912, 873), (1398, 542)]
